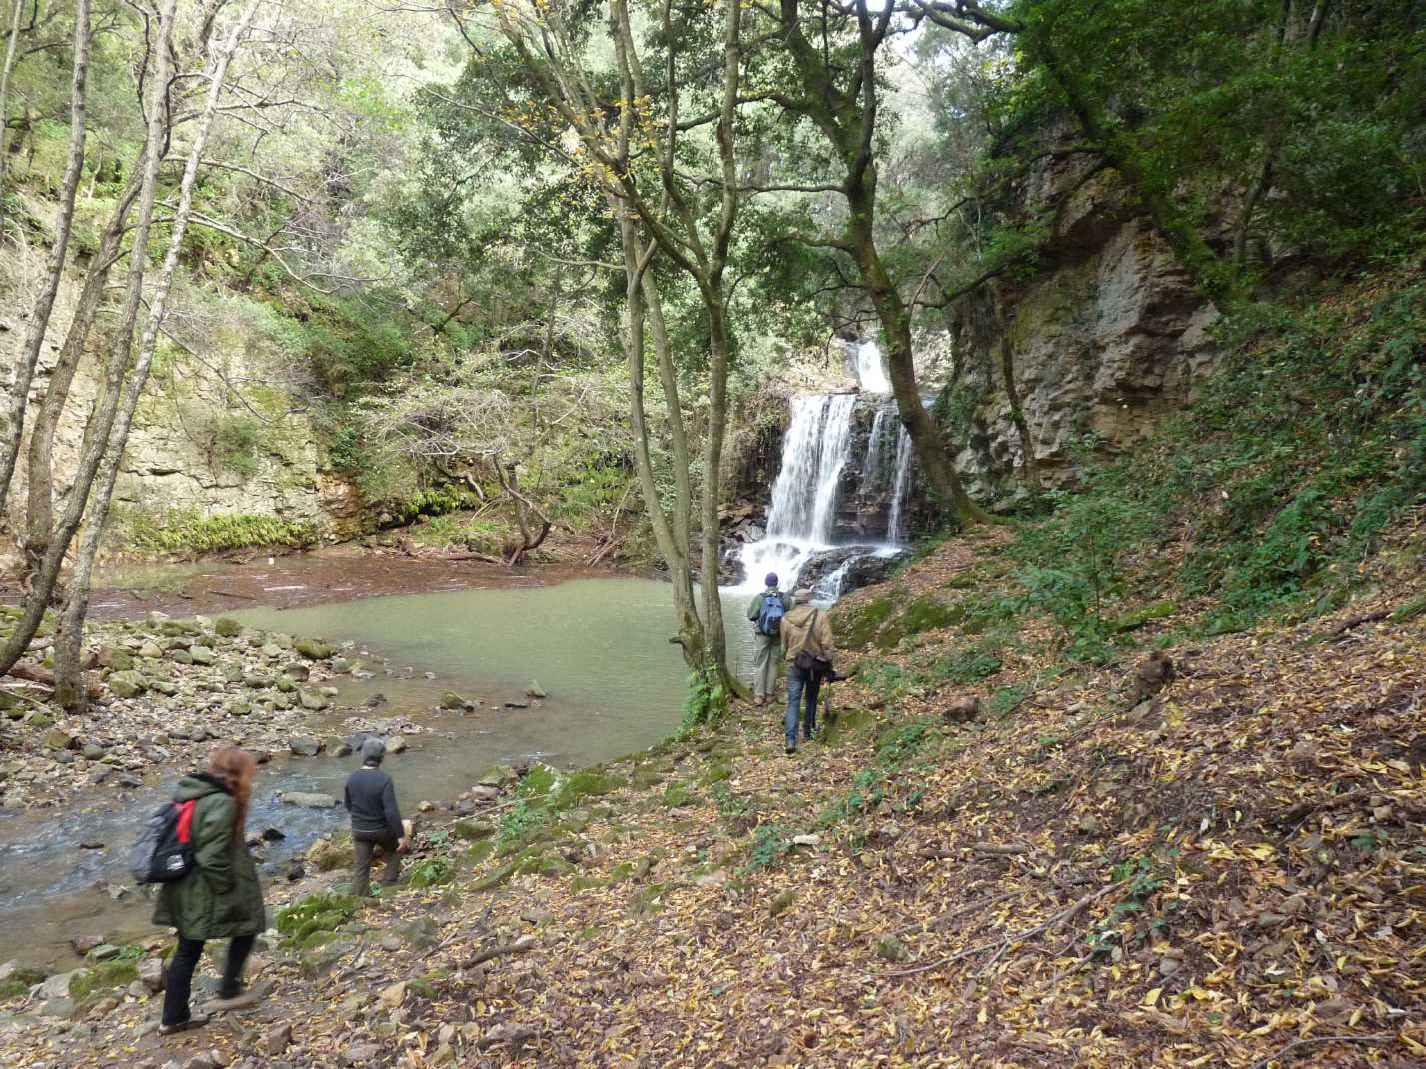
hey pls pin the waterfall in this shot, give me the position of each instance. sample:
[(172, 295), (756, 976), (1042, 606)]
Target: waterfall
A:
[(871, 372), (815, 451), (896, 523)]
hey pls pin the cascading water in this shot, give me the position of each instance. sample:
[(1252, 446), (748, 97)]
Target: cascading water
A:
[(815, 451), (806, 497), (871, 372), (896, 518)]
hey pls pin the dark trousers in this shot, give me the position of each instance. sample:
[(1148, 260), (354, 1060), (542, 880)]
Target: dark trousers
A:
[(180, 974), (802, 686), (364, 846)]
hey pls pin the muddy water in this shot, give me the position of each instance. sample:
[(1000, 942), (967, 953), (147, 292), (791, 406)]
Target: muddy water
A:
[(597, 646)]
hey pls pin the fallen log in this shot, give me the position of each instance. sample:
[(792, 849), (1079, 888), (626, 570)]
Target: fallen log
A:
[(43, 676)]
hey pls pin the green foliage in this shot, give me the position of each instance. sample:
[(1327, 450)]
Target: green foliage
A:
[(769, 844), (102, 977), (432, 871), (706, 703), (190, 532), (232, 442), (968, 664), (1072, 561)]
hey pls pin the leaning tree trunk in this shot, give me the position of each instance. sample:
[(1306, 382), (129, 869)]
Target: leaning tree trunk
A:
[(69, 688), (29, 354), (936, 463), (716, 658), (105, 411)]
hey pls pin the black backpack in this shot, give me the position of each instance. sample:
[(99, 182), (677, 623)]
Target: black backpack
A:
[(164, 852)]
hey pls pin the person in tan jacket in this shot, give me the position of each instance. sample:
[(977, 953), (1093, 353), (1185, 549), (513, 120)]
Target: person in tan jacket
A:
[(809, 648)]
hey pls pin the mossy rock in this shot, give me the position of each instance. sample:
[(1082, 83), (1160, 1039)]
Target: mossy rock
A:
[(227, 627), (645, 777), (587, 784), (539, 863), (325, 911), (109, 974), (473, 830), (314, 649), (12, 988), (494, 879), (920, 615), (1136, 619), (325, 855), (856, 625), (781, 903), (845, 724), (678, 795), (479, 853)]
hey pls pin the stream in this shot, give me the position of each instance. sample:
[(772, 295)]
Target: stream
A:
[(597, 646)]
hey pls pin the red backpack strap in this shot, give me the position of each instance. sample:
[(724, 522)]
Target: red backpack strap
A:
[(185, 821)]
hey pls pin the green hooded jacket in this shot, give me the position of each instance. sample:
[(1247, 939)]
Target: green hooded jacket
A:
[(221, 897)]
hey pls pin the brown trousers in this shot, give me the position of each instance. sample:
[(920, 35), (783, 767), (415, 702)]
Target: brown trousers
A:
[(361, 870)]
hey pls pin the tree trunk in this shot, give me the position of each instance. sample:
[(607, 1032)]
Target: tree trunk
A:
[(1029, 468), (39, 467), (106, 408), (937, 465), (29, 354), (670, 535), (69, 689), (716, 654), (5, 102)]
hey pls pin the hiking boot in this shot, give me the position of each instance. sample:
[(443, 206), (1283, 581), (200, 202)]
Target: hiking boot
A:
[(198, 1020), (789, 750)]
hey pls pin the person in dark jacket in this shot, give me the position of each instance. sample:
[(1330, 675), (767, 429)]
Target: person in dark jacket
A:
[(376, 821), (221, 897)]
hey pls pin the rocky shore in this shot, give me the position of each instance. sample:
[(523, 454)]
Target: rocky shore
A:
[(170, 689)]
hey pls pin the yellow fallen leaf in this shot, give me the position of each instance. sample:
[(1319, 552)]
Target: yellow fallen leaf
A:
[(1152, 997)]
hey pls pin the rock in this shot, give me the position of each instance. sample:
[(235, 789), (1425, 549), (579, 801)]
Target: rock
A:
[(93, 751), (152, 974), (376, 700), (314, 649), (59, 739), (256, 680), (57, 986), (534, 690), (271, 650), (781, 903), (115, 659), (57, 1007), (83, 944), (295, 871), (164, 686), (227, 627), (299, 672), (342, 749), (393, 996), (151, 651), (1169, 965), (451, 700), (536, 917), (361, 1054), (305, 747), (325, 855), (277, 1038), (963, 711), (312, 700), (484, 793), (807, 840), (309, 799), (396, 744), (103, 1007), (202, 655), (517, 705), (91, 844), (104, 952), (890, 948), (473, 830), (273, 835)]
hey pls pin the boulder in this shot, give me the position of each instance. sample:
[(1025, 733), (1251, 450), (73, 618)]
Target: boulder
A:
[(313, 700), (59, 739), (93, 751), (305, 747), (150, 651), (203, 655), (57, 986), (451, 700), (314, 649), (152, 974), (127, 684), (309, 799), (396, 744), (534, 690), (297, 671), (227, 627), (277, 1039)]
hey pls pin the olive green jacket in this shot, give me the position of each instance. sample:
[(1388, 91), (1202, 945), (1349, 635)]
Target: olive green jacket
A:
[(221, 897)]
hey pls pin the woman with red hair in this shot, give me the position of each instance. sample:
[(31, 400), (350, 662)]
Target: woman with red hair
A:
[(221, 897)]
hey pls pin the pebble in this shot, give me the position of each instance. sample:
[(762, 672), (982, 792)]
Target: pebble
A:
[(277, 1038)]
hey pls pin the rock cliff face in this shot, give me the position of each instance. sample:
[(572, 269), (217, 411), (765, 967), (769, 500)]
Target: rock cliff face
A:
[(217, 435), (1105, 339)]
